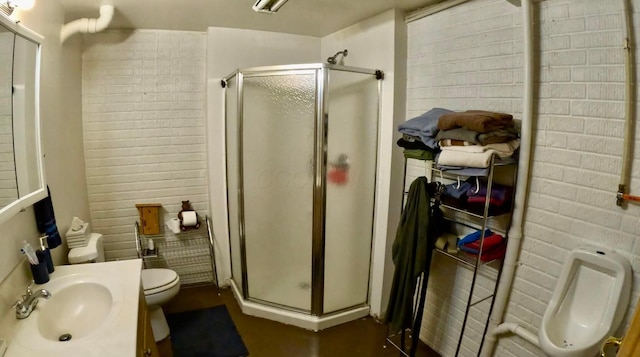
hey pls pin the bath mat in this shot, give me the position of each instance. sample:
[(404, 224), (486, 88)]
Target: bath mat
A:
[(205, 333)]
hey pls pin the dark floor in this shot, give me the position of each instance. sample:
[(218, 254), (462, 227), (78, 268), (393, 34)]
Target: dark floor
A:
[(264, 338)]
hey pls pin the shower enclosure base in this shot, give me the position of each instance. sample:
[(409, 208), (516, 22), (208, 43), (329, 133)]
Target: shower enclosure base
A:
[(298, 319)]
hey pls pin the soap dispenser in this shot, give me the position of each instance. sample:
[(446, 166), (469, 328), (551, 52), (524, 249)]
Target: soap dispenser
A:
[(46, 253)]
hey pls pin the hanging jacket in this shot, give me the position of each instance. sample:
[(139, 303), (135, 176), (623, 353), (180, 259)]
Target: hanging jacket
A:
[(409, 253)]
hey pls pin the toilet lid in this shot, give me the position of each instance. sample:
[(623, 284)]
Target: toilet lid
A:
[(157, 278)]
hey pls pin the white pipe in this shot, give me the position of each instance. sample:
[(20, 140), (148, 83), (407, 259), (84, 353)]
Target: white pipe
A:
[(86, 25), (629, 102), (516, 330), (515, 231)]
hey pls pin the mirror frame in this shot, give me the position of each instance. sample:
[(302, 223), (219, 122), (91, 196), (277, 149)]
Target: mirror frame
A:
[(25, 201)]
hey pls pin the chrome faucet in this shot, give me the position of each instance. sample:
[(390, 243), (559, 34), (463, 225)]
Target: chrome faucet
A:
[(25, 305)]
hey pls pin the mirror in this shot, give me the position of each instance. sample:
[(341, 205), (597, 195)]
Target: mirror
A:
[(21, 169)]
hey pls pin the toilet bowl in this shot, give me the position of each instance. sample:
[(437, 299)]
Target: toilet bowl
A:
[(587, 305), (160, 285)]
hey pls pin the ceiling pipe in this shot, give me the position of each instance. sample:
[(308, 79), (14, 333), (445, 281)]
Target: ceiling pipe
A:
[(86, 25)]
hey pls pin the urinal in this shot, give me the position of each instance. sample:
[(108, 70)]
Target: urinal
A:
[(587, 305)]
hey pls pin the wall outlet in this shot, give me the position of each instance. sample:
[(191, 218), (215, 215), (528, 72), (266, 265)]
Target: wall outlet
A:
[(3, 347)]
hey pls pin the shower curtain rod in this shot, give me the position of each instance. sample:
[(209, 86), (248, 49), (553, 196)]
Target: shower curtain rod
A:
[(308, 66)]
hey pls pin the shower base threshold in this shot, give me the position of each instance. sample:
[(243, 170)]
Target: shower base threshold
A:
[(298, 319)]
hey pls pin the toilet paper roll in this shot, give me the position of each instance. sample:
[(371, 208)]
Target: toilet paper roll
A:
[(173, 225), (189, 218)]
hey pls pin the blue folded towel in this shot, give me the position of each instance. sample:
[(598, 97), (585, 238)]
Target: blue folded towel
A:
[(472, 237), (46, 220), (424, 126)]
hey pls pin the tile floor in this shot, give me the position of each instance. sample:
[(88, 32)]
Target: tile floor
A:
[(264, 338)]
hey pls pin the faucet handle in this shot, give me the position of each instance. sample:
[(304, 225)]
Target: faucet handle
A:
[(18, 304), (29, 291)]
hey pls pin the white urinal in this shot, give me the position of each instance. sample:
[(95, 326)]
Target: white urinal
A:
[(587, 305)]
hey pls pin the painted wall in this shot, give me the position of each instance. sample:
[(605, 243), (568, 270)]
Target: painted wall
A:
[(470, 57), (227, 50), (369, 43), (61, 126), (143, 114)]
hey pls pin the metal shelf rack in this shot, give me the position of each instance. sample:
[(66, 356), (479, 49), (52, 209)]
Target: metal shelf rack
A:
[(469, 219), (190, 254)]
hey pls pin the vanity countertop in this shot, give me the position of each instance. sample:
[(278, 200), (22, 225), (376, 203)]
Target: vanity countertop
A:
[(104, 292)]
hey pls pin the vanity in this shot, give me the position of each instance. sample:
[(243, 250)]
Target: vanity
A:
[(95, 310)]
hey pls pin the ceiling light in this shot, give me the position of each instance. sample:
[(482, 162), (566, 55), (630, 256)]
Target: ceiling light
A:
[(8, 6), (268, 6)]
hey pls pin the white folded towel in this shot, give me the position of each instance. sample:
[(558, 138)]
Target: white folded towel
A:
[(465, 159), (501, 149)]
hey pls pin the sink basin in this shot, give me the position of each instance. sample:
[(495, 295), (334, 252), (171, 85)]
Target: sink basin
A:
[(75, 311), (92, 312)]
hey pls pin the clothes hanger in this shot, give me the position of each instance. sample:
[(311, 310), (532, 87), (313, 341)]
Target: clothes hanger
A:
[(477, 185)]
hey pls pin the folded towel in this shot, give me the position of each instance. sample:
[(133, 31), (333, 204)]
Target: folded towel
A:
[(498, 192), (473, 137), (476, 120), (496, 253), (412, 145), (454, 142), (418, 154), (455, 191), (498, 136), (464, 171), (472, 237), (46, 220), (465, 159), (461, 134), (424, 126), (491, 242), (501, 149)]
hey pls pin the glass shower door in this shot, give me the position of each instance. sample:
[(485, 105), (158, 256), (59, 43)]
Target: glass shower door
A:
[(352, 137), (277, 153)]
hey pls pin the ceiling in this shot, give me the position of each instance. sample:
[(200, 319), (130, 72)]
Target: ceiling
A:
[(304, 17)]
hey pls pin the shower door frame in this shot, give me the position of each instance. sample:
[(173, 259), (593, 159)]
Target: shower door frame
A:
[(321, 115)]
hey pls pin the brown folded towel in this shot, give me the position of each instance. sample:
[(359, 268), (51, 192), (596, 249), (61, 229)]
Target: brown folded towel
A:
[(476, 120)]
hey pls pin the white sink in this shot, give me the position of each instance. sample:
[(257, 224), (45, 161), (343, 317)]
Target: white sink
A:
[(92, 312), (77, 309)]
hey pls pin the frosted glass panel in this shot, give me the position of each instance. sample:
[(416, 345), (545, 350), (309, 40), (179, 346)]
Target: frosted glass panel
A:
[(278, 141), (231, 124), (351, 167)]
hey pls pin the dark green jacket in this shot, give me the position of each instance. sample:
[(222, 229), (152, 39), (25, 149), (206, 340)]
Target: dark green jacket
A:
[(410, 250)]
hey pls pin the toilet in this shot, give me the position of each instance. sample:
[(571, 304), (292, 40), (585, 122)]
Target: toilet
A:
[(587, 305), (159, 285)]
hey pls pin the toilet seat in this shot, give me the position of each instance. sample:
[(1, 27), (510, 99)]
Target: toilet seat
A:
[(155, 281)]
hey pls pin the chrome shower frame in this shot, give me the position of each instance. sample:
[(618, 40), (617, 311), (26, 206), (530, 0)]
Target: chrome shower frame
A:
[(321, 71)]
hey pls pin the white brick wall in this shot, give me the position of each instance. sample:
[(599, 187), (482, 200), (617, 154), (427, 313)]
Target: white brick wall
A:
[(143, 95), (470, 57)]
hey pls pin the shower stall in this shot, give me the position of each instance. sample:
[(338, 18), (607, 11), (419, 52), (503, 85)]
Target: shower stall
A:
[(301, 158)]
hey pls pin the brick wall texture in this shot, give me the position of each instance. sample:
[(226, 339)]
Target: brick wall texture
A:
[(143, 96), (470, 57)]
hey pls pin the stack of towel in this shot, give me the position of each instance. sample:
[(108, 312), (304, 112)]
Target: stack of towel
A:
[(471, 138), (494, 246), (419, 135), (467, 139)]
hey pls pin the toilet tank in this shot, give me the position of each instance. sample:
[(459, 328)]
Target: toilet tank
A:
[(92, 253)]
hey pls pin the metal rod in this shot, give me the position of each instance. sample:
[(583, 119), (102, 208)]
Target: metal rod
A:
[(213, 253), (475, 269), (241, 222), (319, 194)]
